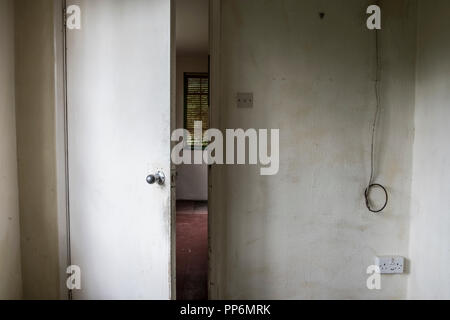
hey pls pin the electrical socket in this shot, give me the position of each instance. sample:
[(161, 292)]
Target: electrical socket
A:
[(390, 264), (244, 100)]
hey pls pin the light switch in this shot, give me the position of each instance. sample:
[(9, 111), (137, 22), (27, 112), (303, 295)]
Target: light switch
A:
[(245, 100), (390, 264)]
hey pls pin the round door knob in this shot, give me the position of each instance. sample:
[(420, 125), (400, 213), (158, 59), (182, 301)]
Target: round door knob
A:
[(151, 179), (159, 178)]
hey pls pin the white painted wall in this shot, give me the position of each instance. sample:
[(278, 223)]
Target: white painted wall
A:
[(305, 233), (192, 180), (430, 219), (10, 268)]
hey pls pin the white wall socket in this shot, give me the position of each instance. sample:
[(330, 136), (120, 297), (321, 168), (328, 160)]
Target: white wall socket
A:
[(390, 264)]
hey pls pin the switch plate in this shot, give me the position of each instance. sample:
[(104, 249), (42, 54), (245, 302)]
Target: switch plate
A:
[(244, 100), (390, 264)]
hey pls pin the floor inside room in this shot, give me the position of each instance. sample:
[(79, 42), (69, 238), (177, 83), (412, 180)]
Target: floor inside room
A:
[(192, 250)]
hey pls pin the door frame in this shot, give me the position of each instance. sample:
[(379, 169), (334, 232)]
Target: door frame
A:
[(62, 180), (216, 182), (61, 137)]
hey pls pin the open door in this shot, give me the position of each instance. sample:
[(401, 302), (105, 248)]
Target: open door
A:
[(119, 126)]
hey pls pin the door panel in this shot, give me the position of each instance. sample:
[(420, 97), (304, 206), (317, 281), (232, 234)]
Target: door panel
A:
[(119, 112)]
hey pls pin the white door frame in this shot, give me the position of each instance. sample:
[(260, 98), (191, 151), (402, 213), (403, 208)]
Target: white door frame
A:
[(62, 189)]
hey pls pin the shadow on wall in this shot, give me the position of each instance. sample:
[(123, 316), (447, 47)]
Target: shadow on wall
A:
[(35, 114), (10, 269)]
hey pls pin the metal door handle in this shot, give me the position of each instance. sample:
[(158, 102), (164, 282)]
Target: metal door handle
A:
[(159, 178)]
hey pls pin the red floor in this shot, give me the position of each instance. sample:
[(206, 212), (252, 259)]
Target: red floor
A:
[(192, 250)]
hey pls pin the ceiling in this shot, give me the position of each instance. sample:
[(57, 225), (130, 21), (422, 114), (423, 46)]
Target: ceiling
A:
[(192, 19)]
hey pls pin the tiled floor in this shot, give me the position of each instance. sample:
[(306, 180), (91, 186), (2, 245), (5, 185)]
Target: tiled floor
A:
[(192, 250)]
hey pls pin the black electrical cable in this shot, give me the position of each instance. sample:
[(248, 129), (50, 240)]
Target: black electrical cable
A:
[(372, 185)]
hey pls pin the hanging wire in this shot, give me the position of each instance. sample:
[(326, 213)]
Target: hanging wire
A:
[(371, 185), (377, 112)]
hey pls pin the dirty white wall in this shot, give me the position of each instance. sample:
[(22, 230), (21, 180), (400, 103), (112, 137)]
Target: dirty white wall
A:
[(430, 219), (192, 180), (35, 112), (10, 272), (305, 233)]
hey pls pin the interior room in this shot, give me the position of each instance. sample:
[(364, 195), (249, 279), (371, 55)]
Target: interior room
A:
[(192, 104), (94, 204)]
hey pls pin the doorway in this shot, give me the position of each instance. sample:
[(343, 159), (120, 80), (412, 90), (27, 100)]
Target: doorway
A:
[(116, 185), (192, 104)]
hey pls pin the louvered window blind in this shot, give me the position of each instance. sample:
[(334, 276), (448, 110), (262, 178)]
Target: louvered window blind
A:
[(196, 104)]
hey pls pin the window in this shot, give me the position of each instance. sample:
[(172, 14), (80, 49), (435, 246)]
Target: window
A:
[(196, 104)]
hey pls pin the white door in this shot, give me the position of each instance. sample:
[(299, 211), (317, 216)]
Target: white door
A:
[(119, 112)]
